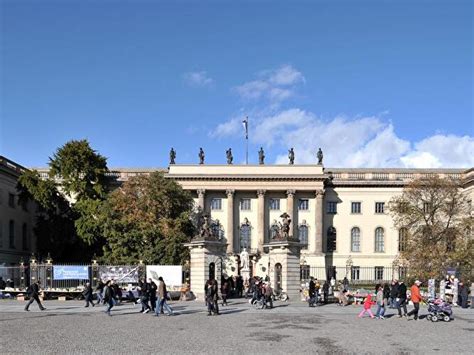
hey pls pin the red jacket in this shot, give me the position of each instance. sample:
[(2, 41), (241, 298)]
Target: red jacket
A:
[(415, 294), (368, 302)]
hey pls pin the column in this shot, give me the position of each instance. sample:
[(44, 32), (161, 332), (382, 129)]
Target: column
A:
[(317, 245), (230, 221), (261, 219), (201, 196), (290, 207)]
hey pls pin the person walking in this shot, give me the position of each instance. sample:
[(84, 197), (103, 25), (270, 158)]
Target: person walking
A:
[(224, 292), (416, 299), (109, 296), (367, 305), (380, 303), (144, 296), (326, 291), (33, 293), (99, 291), (216, 296), (209, 292), (268, 295), (345, 283), (402, 299), (312, 292), (88, 295), (393, 294), (163, 294), (463, 294), (153, 288)]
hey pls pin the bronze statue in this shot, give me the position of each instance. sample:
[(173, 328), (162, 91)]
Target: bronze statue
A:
[(261, 156), (228, 153), (201, 156), (291, 156), (206, 230), (172, 156), (320, 157), (283, 230)]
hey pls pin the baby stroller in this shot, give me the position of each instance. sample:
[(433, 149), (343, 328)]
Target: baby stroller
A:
[(439, 310)]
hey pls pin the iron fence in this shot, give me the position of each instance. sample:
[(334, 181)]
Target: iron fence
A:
[(355, 274)]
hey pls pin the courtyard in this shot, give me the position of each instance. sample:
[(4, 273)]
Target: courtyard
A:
[(68, 327)]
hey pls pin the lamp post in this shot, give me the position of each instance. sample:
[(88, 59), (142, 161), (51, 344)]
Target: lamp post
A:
[(49, 272), (22, 274), (94, 271), (141, 270), (349, 264), (33, 269)]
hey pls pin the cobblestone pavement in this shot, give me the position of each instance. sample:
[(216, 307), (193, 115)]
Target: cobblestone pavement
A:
[(68, 327)]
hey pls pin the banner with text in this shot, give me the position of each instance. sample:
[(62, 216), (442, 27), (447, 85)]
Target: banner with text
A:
[(122, 274), (70, 272)]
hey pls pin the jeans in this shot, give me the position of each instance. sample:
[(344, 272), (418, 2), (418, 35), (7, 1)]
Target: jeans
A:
[(380, 310), (164, 305), (400, 304), (415, 310), (110, 304), (100, 297)]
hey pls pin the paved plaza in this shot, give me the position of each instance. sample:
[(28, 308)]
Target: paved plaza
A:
[(68, 327)]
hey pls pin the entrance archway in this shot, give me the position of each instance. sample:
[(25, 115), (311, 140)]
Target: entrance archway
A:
[(278, 277), (212, 271)]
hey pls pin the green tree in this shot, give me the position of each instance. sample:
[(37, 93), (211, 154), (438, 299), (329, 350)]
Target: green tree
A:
[(434, 216), (148, 218)]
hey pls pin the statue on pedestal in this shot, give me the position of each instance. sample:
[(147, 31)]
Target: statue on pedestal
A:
[(320, 156), (244, 259), (201, 156), (283, 232), (229, 156), (291, 156), (261, 156), (172, 156)]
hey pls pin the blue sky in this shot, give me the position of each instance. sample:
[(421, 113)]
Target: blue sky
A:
[(374, 83)]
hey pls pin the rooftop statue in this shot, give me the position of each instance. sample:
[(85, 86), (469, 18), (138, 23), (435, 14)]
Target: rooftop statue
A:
[(201, 156), (172, 156), (229, 156), (261, 156), (291, 156), (320, 157)]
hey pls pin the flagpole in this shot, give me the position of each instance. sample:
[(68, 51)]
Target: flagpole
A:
[(246, 140)]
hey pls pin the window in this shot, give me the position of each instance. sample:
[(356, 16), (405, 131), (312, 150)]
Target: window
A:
[(402, 272), (245, 236), (331, 239), (24, 206), (331, 207), (12, 234), (402, 239), (303, 235), (11, 200), (355, 239), (304, 272), (275, 204), (24, 235), (379, 240), (379, 207), (303, 204), (379, 273), (355, 207), (355, 273), (245, 204), (216, 204)]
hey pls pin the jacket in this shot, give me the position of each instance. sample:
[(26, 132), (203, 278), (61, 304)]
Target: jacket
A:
[(162, 290), (402, 292), (394, 290), (380, 298), (415, 294), (109, 293), (368, 302)]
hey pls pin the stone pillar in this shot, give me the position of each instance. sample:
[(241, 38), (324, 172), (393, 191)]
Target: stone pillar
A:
[(261, 219), (230, 221), (317, 245), (201, 201), (290, 206)]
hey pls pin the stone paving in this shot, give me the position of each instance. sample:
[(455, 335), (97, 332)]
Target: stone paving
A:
[(68, 327)]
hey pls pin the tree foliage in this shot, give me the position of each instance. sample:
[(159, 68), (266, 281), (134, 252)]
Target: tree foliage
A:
[(435, 215), (149, 219)]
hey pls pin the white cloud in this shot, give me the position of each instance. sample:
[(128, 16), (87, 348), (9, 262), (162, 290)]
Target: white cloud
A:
[(198, 78), (272, 85), (228, 128)]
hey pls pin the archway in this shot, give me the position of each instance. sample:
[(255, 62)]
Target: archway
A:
[(278, 277), (212, 271)]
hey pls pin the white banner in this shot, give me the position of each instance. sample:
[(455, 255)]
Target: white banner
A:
[(171, 274)]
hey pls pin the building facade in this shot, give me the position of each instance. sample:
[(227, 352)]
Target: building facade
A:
[(17, 240)]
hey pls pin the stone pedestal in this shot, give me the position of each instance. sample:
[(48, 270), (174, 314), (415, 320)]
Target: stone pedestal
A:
[(284, 257), (245, 274), (204, 253)]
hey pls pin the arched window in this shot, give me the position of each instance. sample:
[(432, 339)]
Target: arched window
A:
[(245, 235), (355, 239), (402, 239), (303, 235), (24, 236), (11, 234), (331, 239), (379, 240)]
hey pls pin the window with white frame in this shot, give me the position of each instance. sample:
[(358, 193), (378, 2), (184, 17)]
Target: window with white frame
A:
[(216, 204), (275, 204), (355, 239), (378, 273), (331, 207), (379, 207), (355, 207), (303, 204), (355, 272), (303, 235), (379, 240), (245, 204)]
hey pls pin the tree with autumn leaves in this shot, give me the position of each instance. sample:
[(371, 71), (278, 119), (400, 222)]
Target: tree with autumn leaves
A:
[(434, 218)]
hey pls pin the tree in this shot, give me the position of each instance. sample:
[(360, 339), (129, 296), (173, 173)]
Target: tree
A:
[(434, 216), (149, 219)]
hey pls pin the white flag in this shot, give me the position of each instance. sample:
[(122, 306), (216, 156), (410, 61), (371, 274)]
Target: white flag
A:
[(246, 127)]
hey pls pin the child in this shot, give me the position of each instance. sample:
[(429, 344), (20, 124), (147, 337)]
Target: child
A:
[(367, 304)]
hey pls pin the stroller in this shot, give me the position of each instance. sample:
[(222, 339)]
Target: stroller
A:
[(439, 310)]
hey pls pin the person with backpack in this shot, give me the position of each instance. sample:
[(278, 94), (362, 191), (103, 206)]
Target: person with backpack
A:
[(33, 293), (109, 296)]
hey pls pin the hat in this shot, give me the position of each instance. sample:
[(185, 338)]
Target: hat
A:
[(418, 282)]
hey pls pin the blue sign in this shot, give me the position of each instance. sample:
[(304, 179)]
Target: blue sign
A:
[(70, 272)]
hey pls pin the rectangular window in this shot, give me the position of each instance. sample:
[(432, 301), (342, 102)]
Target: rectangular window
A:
[(379, 273), (303, 204), (402, 272), (304, 272), (355, 273), (331, 207), (355, 207), (275, 204), (216, 204), (11, 200), (379, 207), (245, 204)]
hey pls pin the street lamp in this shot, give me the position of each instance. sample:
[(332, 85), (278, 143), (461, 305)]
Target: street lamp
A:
[(349, 264)]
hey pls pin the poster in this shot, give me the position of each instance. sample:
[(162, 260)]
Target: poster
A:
[(70, 272), (171, 274), (122, 274)]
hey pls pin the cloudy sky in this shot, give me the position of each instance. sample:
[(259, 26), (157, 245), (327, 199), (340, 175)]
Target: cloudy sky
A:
[(374, 84)]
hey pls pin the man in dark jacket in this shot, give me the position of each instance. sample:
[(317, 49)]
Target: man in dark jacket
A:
[(326, 291), (216, 296), (312, 292), (99, 291), (393, 294), (87, 293), (402, 299), (33, 292), (109, 296), (3, 284), (153, 288), (463, 293), (144, 296)]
